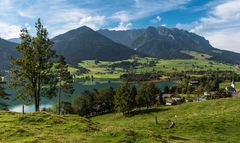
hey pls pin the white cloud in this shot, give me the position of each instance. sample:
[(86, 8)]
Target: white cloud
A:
[(9, 31), (221, 27), (123, 16), (158, 18), (25, 14), (225, 39), (60, 16), (94, 22), (145, 8), (122, 26)]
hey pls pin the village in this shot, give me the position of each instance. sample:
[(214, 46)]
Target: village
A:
[(176, 99)]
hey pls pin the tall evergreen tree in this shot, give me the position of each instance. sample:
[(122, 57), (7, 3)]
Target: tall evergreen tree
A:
[(146, 95), (65, 80), (123, 99), (32, 72), (3, 96), (84, 104)]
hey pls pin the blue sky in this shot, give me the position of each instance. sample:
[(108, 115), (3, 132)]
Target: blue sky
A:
[(216, 20)]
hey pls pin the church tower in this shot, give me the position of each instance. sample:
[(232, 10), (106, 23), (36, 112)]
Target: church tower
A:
[(233, 84)]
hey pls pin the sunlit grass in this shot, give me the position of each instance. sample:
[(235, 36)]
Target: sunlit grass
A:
[(211, 121), (103, 70)]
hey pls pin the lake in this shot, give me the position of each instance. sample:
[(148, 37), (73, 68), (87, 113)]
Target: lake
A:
[(16, 105)]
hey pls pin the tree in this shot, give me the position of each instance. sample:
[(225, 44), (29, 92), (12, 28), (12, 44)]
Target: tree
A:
[(199, 91), (166, 89), (123, 99), (80, 105), (84, 105), (33, 71), (67, 107), (3, 96), (147, 94), (133, 95), (65, 80), (105, 100)]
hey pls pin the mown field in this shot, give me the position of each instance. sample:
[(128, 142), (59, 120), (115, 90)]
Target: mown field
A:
[(215, 121), (102, 70)]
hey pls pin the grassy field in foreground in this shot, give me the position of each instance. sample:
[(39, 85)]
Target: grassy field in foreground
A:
[(210, 121), (103, 70)]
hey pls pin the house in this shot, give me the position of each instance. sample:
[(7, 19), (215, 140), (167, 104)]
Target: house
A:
[(170, 100), (210, 95), (231, 89), (194, 83), (2, 81), (200, 99)]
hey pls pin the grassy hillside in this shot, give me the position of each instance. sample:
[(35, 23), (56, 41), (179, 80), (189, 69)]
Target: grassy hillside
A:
[(211, 121), (44, 127), (200, 63)]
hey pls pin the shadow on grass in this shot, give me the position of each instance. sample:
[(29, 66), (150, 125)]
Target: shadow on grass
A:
[(147, 111)]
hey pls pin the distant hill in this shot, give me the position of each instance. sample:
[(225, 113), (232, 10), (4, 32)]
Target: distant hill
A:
[(86, 44), (124, 37), (168, 43), (15, 40), (7, 50)]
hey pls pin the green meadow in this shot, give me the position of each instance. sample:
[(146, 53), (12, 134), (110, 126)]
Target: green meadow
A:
[(102, 69), (215, 121)]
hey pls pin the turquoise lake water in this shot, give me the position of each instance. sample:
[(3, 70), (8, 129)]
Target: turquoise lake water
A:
[(16, 105)]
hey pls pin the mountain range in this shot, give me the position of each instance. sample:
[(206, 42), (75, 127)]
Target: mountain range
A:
[(7, 51), (169, 43), (86, 44)]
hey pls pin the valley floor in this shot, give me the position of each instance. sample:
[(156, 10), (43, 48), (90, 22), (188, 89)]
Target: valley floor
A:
[(215, 121)]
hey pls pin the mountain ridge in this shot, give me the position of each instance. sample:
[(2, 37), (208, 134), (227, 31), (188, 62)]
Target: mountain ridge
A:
[(167, 43), (86, 44), (7, 51)]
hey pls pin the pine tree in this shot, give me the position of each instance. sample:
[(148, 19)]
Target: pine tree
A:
[(123, 99), (65, 80), (32, 72), (146, 95), (3, 96)]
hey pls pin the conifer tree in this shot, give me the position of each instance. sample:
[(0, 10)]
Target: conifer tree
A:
[(4, 97), (32, 72), (123, 99), (146, 95), (65, 80)]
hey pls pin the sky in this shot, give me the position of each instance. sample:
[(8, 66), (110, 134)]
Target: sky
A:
[(216, 20)]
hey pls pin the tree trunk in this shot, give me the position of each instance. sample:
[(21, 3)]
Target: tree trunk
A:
[(59, 99), (23, 109), (38, 93), (156, 120), (36, 99)]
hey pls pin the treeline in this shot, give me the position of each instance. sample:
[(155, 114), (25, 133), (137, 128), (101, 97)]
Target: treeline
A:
[(141, 77), (133, 64), (220, 75), (124, 99), (198, 86)]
